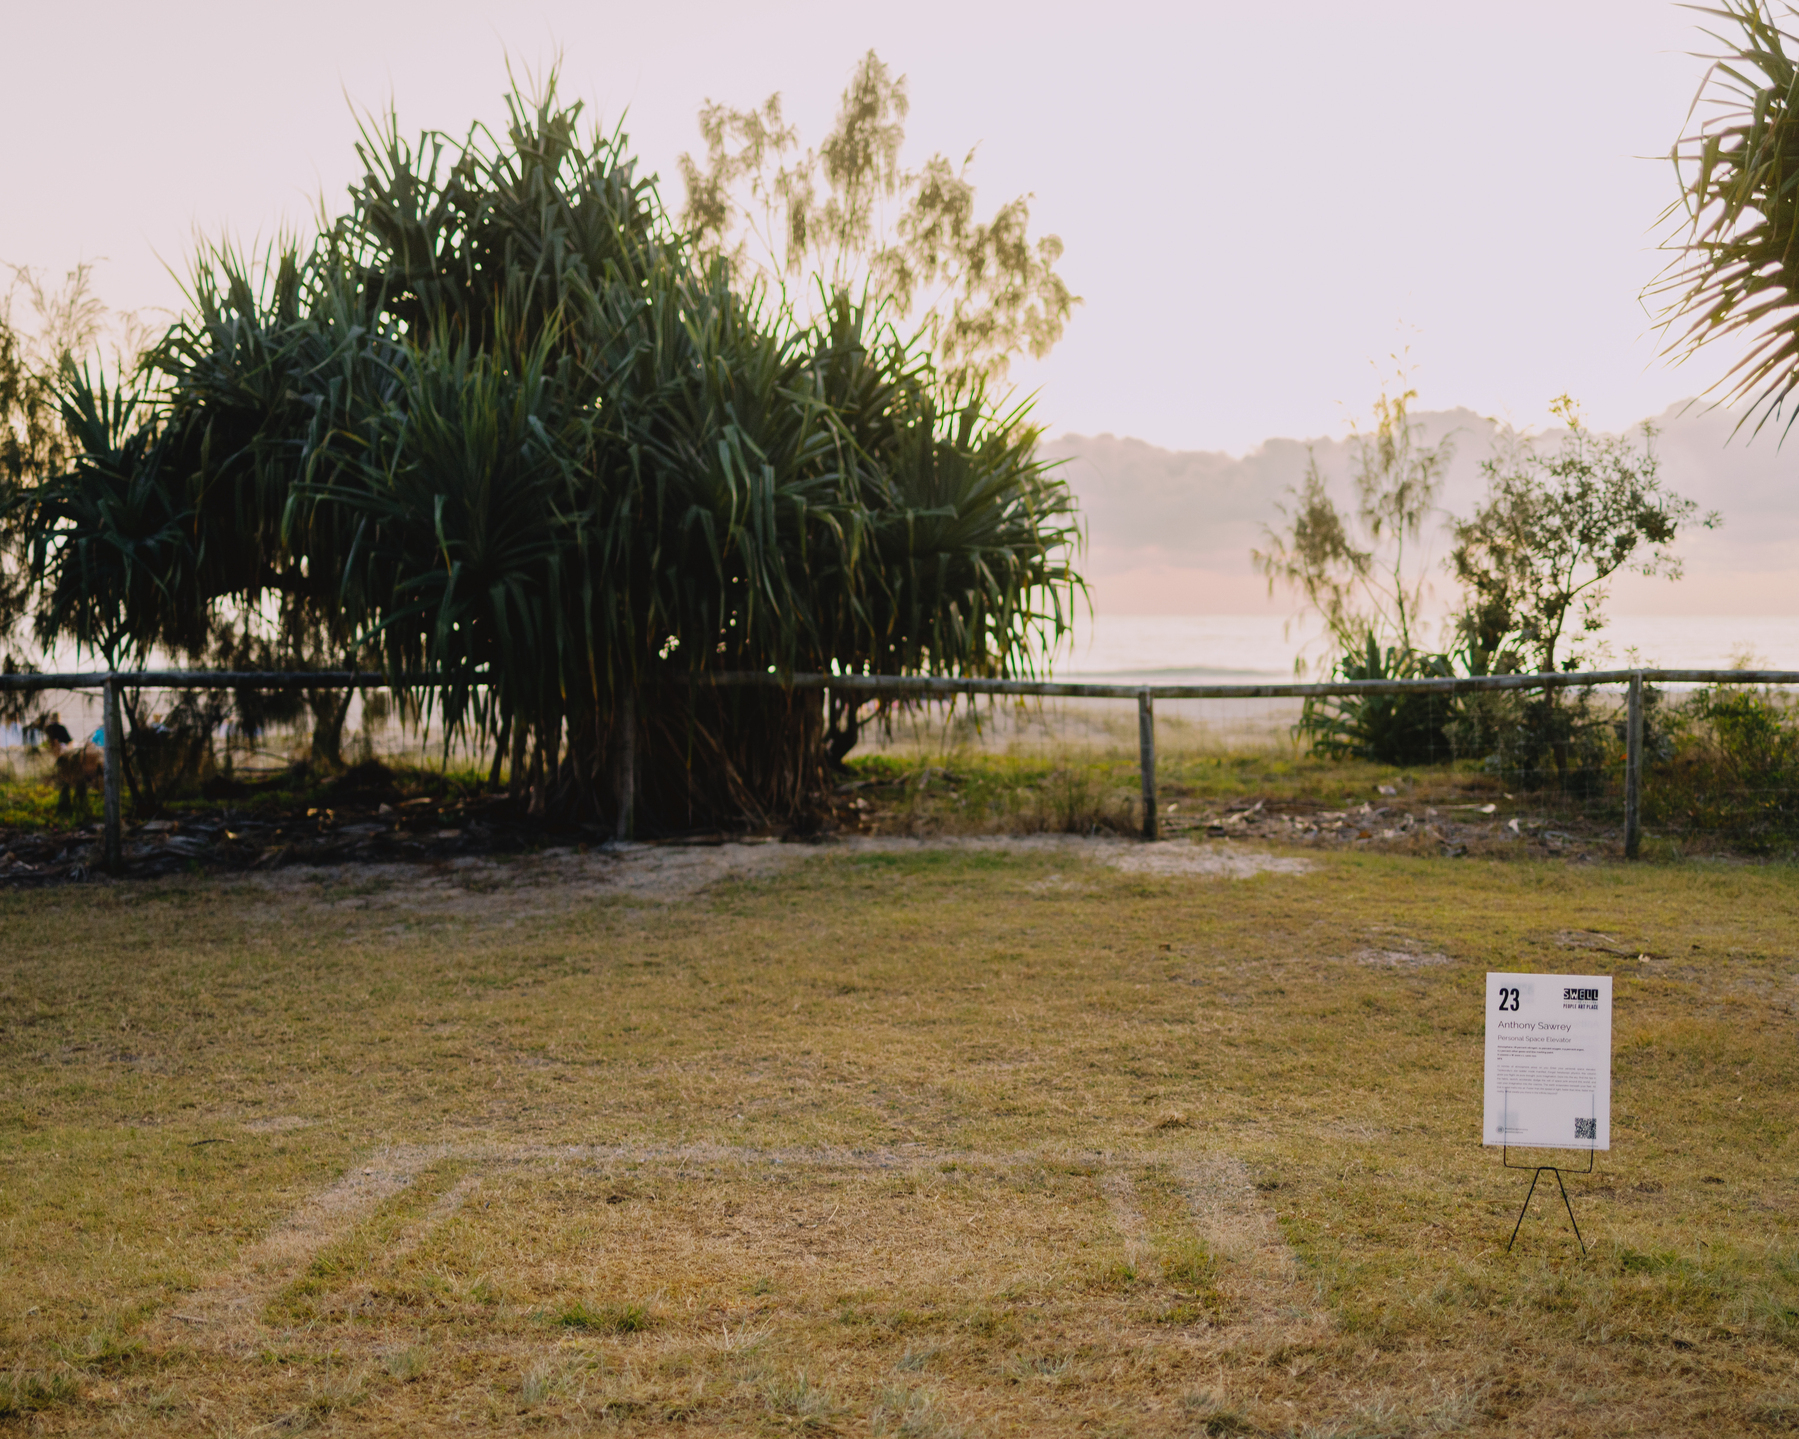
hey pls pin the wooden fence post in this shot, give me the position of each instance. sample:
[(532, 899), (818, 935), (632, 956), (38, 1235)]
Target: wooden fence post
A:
[(112, 846), (627, 766), (1633, 768), (1146, 758)]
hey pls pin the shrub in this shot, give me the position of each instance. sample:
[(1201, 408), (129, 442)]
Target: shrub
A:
[(1389, 729), (1730, 766), (1544, 739)]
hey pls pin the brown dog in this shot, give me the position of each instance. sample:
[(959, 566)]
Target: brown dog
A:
[(77, 770)]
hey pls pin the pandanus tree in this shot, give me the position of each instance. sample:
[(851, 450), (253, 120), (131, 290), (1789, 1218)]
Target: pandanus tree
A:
[(505, 420)]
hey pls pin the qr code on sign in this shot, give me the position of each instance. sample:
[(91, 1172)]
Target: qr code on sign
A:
[(1586, 1129)]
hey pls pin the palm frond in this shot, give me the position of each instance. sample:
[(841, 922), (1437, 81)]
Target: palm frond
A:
[(1734, 229)]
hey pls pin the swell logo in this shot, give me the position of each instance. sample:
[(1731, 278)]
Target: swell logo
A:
[(1581, 996)]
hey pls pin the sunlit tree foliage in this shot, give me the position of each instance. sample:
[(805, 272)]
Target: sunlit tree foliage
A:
[(847, 219), (503, 418)]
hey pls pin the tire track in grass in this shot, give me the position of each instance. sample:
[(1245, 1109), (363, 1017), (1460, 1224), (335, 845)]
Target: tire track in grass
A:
[(1259, 1277), (1267, 1310), (225, 1313), (1119, 1186), (1270, 1303)]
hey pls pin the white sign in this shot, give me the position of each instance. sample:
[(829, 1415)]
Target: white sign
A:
[(1549, 1061)]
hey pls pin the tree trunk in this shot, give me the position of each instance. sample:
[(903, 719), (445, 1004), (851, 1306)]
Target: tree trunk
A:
[(138, 805), (534, 781), (499, 754), (328, 716), (705, 758), (625, 783), (545, 767), (1558, 743), (515, 774), (728, 758), (843, 730)]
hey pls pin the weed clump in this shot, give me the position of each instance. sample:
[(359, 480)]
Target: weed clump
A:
[(605, 1318), (799, 1400), (1211, 1415), (911, 1413), (28, 1391), (1189, 1266), (408, 1364), (1631, 1261), (104, 1351)]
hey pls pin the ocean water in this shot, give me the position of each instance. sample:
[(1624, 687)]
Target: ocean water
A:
[(1226, 649), (1172, 649)]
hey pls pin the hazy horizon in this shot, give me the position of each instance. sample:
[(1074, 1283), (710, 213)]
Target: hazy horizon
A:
[(1170, 530)]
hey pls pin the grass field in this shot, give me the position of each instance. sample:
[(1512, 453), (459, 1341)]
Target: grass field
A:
[(958, 1140)]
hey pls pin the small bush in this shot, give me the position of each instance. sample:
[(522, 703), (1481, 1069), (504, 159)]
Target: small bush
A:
[(172, 753), (1076, 800), (1541, 740), (1405, 729), (1730, 767)]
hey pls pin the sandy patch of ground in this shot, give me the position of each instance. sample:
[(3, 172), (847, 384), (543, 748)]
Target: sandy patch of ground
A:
[(1175, 857), (510, 888), (513, 887), (278, 1123), (1399, 958), (1208, 861)]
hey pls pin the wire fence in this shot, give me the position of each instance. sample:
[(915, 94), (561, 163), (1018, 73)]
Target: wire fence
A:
[(1685, 752)]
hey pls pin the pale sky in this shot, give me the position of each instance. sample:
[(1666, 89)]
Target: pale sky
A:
[(1257, 200)]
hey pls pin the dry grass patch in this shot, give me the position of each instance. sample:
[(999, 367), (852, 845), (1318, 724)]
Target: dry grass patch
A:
[(977, 1139), (896, 1294)]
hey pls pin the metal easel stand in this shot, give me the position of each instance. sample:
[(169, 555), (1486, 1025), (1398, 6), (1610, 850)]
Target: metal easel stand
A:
[(1542, 1169)]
